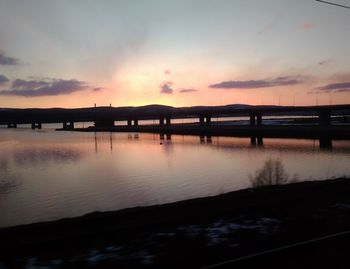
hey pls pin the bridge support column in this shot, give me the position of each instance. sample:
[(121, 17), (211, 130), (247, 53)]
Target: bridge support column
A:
[(324, 118), (208, 120), (168, 121), (201, 121), (252, 119), (136, 122), (255, 119), (259, 119), (129, 122), (36, 125), (161, 121), (11, 125)]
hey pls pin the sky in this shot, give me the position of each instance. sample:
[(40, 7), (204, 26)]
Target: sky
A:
[(173, 52)]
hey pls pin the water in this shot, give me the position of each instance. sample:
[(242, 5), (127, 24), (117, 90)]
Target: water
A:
[(47, 175)]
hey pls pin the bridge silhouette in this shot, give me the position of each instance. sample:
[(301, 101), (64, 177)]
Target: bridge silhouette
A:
[(108, 118)]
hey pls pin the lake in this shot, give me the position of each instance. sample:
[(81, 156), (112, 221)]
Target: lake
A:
[(47, 175)]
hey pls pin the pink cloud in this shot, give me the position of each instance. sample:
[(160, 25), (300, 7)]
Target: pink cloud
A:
[(166, 87), (307, 26)]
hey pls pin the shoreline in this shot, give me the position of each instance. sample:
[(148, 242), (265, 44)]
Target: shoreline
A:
[(289, 213)]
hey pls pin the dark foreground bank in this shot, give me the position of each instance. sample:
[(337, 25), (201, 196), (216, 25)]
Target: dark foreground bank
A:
[(198, 233)]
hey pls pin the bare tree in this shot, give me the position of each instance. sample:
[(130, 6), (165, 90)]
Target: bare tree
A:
[(272, 173)]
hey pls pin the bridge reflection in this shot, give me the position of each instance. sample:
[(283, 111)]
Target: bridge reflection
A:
[(324, 142)]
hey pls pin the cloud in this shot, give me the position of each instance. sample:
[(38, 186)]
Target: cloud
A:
[(255, 84), (167, 72), (166, 87), (36, 88), (187, 90), (3, 79), (333, 87), (5, 60), (29, 84)]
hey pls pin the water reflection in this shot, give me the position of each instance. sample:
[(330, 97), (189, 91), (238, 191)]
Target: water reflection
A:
[(205, 139), (324, 142), (6, 186), (111, 140), (8, 180), (272, 173), (256, 141), (37, 156), (69, 174)]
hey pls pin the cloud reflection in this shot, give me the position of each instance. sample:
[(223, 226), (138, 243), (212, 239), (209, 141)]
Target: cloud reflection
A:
[(8, 180)]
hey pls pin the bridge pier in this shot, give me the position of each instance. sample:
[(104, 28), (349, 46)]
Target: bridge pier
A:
[(259, 119), (324, 118), (68, 125), (205, 120), (201, 121), (255, 119), (36, 125), (11, 125), (252, 119), (168, 121), (161, 121), (208, 120), (136, 122)]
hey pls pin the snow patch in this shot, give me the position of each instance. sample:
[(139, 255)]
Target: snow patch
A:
[(219, 232), (192, 231), (342, 205), (96, 256), (32, 264)]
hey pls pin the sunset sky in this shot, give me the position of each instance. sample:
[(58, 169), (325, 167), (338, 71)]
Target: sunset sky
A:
[(173, 52)]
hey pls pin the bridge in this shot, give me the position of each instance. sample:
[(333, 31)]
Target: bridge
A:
[(327, 122), (105, 117)]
